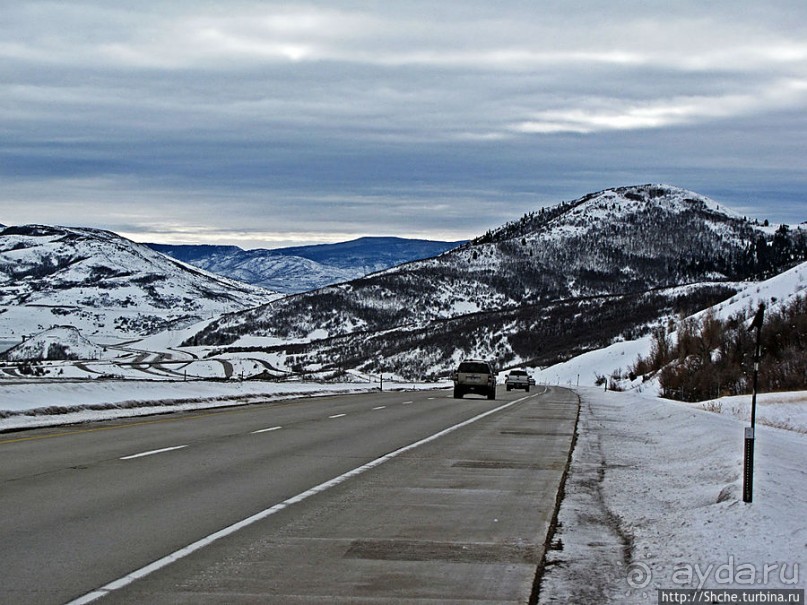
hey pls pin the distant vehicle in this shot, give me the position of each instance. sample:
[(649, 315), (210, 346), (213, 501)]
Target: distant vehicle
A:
[(518, 379), (474, 376)]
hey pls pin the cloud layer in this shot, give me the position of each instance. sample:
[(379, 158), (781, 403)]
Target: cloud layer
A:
[(263, 123)]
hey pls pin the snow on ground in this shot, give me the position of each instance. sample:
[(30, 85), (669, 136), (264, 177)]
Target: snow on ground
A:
[(781, 410), (774, 292), (49, 403), (58, 342), (584, 369), (653, 501)]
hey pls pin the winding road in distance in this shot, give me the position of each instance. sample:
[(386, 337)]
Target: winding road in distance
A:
[(410, 497)]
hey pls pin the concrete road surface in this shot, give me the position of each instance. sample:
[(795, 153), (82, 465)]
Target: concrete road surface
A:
[(374, 498)]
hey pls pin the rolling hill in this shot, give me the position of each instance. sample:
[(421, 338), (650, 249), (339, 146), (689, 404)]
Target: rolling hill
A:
[(105, 285)]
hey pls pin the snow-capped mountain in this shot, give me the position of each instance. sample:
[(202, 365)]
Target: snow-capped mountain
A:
[(559, 280), (105, 285), (303, 268)]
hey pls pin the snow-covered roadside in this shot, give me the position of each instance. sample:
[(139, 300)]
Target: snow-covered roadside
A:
[(38, 403), (781, 410), (654, 500)]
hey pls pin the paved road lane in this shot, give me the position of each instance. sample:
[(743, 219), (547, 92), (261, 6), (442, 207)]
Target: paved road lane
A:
[(87, 505)]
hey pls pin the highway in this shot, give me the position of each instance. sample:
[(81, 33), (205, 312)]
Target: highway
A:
[(409, 497)]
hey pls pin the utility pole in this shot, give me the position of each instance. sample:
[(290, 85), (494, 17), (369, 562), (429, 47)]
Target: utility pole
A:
[(748, 464)]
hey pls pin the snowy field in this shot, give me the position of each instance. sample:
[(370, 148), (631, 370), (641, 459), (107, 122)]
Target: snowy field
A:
[(781, 410), (654, 501), (39, 403)]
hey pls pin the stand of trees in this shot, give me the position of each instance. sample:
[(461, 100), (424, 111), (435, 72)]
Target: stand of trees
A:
[(713, 358)]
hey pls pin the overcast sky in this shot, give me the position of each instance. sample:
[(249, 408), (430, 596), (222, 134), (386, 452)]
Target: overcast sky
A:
[(266, 124)]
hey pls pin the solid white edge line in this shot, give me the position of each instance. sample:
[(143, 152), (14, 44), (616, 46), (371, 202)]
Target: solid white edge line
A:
[(273, 428), (152, 452), (222, 533)]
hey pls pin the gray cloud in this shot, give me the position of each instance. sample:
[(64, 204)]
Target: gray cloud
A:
[(263, 121)]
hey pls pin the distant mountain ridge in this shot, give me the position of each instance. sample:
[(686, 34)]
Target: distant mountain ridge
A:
[(303, 268), (371, 253), (558, 281)]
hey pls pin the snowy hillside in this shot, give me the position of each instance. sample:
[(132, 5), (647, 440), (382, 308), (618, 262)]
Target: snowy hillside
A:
[(304, 268), (105, 285), (615, 359), (560, 280), (59, 342)]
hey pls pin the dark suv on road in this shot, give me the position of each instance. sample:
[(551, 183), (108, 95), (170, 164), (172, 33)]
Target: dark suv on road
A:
[(474, 376)]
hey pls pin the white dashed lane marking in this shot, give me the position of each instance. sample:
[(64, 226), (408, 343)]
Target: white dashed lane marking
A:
[(152, 452)]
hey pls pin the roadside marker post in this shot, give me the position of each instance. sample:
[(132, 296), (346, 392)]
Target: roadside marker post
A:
[(748, 463)]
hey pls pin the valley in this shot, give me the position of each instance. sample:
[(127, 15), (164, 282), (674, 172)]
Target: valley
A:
[(575, 277)]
